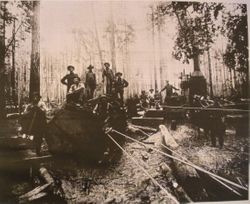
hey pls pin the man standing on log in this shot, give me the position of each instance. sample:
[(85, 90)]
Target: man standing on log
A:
[(109, 76), (90, 82), (119, 85), (169, 91), (68, 79)]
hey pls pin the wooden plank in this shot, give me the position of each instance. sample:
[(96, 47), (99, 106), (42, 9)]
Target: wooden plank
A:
[(206, 109), (147, 121), (34, 191), (37, 158), (155, 113)]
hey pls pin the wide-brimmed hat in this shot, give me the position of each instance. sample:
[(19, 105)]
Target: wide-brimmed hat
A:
[(71, 67), (90, 67), (151, 89), (106, 63), (118, 73)]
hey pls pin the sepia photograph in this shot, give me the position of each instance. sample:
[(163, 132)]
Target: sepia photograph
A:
[(122, 101)]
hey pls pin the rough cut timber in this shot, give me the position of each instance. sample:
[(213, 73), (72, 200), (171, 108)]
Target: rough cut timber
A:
[(147, 121), (155, 113)]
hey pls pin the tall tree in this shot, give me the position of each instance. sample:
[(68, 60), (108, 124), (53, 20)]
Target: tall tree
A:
[(112, 40), (2, 59), (35, 51), (236, 56), (13, 71), (153, 43), (196, 28)]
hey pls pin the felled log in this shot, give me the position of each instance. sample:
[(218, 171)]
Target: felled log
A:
[(145, 128), (46, 175), (168, 139), (182, 194), (186, 175), (34, 194)]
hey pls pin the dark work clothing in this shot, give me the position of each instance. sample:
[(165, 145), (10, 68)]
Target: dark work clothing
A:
[(90, 84), (218, 127), (68, 80), (169, 92), (34, 122), (109, 75), (119, 85)]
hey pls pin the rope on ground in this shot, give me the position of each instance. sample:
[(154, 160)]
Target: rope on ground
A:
[(144, 170), (185, 159), (185, 162)]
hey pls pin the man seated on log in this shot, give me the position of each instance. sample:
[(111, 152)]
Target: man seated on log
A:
[(76, 92), (144, 99), (102, 108), (33, 120), (151, 97), (157, 98)]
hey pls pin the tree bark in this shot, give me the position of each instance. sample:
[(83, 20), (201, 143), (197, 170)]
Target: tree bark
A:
[(13, 72), (112, 42), (35, 52), (160, 50), (210, 74), (2, 58), (196, 62), (153, 42)]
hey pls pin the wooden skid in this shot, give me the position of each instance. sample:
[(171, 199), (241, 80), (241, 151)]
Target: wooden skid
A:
[(148, 121)]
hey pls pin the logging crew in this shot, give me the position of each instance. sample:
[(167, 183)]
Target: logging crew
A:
[(119, 85), (35, 115), (109, 76), (90, 82), (169, 91), (68, 79)]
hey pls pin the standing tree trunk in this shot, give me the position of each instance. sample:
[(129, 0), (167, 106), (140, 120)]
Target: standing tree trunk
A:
[(153, 42), (35, 52), (112, 42), (196, 60), (13, 71), (2, 57), (99, 74), (210, 74), (162, 67)]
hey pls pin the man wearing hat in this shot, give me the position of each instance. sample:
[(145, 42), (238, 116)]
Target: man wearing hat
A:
[(109, 76), (119, 85), (68, 79), (90, 82)]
